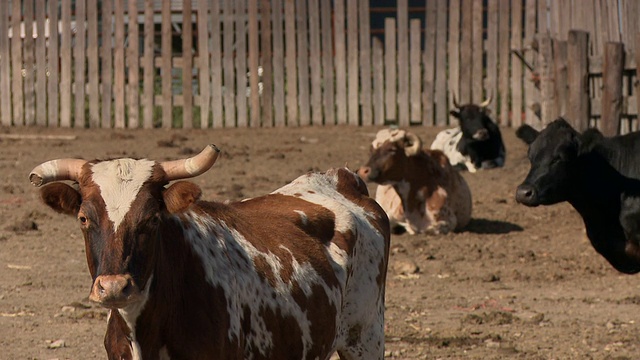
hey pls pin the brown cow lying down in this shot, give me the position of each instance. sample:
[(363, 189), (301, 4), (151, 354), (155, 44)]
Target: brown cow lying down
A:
[(418, 188), (295, 274)]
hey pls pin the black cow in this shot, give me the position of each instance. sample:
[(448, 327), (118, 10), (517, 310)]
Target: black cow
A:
[(598, 176), (476, 143)]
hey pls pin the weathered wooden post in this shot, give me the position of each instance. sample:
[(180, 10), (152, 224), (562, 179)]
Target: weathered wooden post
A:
[(577, 79), (612, 92), (560, 74), (547, 80)]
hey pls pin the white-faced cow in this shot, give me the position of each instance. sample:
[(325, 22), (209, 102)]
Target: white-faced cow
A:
[(295, 274), (476, 143), (598, 176), (418, 188)]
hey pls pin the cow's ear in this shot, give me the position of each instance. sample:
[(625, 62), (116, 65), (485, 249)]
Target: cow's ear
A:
[(527, 134), (61, 198), (589, 139), (455, 114), (180, 195)]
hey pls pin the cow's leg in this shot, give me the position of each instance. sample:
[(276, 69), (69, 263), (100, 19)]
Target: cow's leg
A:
[(364, 343)]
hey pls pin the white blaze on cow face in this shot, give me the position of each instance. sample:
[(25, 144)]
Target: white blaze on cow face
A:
[(119, 182)]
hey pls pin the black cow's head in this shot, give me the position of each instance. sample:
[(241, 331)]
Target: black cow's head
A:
[(552, 154), (472, 119), (120, 205)]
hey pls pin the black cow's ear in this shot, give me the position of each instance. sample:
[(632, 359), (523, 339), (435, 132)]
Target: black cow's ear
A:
[(527, 134), (61, 198), (589, 139), (455, 114)]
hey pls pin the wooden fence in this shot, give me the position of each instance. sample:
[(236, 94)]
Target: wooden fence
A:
[(261, 63)]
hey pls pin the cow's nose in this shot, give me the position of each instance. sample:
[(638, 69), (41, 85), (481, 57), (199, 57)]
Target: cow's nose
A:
[(364, 172), (525, 194), (113, 290), (481, 134)]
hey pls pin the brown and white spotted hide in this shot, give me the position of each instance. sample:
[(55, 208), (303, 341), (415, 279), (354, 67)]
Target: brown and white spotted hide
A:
[(420, 192), (295, 274)]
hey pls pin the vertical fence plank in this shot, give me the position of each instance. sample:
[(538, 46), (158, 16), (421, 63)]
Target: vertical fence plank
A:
[(636, 84), (531, 93), (415, 115), (577, 74), (16, 64), (187, 66), (41, 64), (148, 66), (65, 65), (107, 61), (5, 69), (365, 64), (267, 79), (118, 66), (290, 62), (278, 64), (229, 91), (166, 66), (204, 81), (612, 91), (428, 63), (93, 73), (254, 53), (560, 75), (547, 81), (403, 62), (328, 98), (466, 52), (477, 43), (454, 53), (353, 103), (390, 97), (303, 62), (315, 62), (504, 54), (79, 65), (133, 61), (29, 68), (340, 61), (440, 98), (216, 67), (516, 64), (377, 60), (53, 65), (492, 53)]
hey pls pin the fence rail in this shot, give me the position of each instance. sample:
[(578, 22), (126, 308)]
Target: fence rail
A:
[(262, 63)]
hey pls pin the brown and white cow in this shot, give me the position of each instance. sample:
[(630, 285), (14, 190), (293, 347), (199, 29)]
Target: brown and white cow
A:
[(418, 188), (295, 274)]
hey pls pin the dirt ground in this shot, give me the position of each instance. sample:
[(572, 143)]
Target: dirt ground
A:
[(518, 283)]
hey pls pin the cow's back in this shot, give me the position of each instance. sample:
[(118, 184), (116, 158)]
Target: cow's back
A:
[(327, 221)]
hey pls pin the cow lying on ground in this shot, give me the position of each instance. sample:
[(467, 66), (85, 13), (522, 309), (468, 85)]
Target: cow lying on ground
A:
[(296, 274), (476, 143), (418, 188), (598, 176)]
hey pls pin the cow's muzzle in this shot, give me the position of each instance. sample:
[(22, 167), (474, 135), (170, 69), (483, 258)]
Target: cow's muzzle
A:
[(481, 135), (364, 173), (114, 291), (527, 195)]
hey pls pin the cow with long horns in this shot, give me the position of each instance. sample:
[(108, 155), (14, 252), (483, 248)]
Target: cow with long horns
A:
[(476, 143), (296, 274), (418, 188)]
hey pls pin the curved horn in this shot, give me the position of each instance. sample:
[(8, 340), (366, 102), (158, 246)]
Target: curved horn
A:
[(455, 102), (486, 103), (193, 166), (413, 144), (55, 170)]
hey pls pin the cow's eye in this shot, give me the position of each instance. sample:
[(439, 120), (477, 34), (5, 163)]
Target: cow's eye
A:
[(84, 221)]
